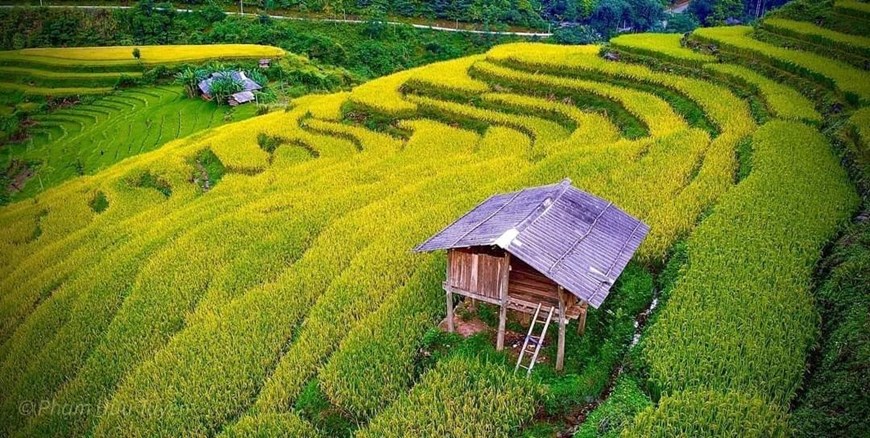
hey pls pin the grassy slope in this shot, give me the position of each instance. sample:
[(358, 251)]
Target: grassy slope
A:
[(90, 137)]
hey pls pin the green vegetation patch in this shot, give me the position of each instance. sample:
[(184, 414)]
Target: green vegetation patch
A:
[(617, 412), (92, 136), (148, 180), (832, 403), (99, 203)]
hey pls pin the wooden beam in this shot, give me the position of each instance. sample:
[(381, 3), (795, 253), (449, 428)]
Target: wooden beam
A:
[(503, 295), (469, 294), (560, 354)]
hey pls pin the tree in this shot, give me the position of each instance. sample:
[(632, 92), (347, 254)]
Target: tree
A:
[(682, 23), (136, 53), (189, 79), (576, 35), (701, 9), (645, 14), (224, 87), (608, 16), (715, 12), (212, 12)]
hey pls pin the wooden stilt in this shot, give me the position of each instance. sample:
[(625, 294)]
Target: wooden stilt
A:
[(503, 296), (581, 324), (502, 321), (449, 311), (560, 354)]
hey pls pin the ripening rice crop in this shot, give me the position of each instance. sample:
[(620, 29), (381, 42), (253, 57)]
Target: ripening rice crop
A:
[(53, 91), (665, 46), (462, 398), (119, 55), (784, 102), (181, 310), (710, 413), (819, 35), (741, 316), (276, 425), (835, 74), (853, 7)]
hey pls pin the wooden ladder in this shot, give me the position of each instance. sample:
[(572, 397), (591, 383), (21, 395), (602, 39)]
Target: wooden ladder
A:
[(532, 344)]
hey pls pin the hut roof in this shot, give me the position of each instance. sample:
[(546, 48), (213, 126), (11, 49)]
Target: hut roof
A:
[(243, 97), (578, 240), (247, 83)]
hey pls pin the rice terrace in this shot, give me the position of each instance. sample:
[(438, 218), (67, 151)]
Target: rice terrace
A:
[(543, 222)]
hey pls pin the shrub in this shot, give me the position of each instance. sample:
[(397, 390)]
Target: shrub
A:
[(222, 88), (148, 180), (126, 81), (189, 79), (100, 202)]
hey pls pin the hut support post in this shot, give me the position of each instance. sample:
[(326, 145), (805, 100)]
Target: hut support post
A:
[(560, 354), (449, 293), (581, 324), (503, 296), (449, 311)]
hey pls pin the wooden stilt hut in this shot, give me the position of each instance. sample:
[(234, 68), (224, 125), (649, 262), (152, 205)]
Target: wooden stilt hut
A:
[(553, 248)]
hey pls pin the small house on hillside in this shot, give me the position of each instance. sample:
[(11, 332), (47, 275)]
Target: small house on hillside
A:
[(240, 98), (248, 85), (553, 248)]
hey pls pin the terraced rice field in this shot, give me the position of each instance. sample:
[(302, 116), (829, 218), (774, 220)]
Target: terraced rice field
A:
[(96, 70), (87, 138), (174, 311)]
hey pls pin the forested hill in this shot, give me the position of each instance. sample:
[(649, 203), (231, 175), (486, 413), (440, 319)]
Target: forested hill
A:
[(530, 13), (598, 19)]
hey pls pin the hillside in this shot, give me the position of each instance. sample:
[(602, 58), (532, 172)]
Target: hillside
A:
[(86, 138), (282, 296), (96, 70)]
